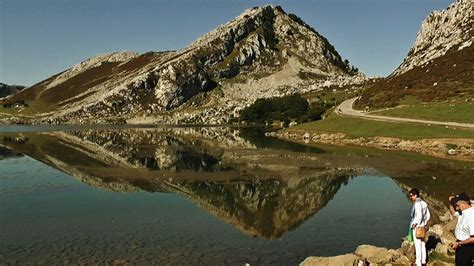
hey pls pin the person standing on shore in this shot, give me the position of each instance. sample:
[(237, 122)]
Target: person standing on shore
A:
[(419, 219), (464, 232)]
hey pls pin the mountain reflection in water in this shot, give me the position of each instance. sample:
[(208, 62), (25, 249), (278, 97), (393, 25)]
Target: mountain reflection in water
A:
[(263, 186), (262, 193)]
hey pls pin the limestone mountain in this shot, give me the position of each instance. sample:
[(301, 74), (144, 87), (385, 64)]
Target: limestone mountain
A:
[(264, 52), (6, 90), (440, 32), (438, 67)]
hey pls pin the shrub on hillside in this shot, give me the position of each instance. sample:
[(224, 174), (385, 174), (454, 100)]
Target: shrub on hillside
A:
[(285, 109)]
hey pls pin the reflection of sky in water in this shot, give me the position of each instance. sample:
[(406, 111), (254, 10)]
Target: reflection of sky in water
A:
[(48, 216), (361, 211)]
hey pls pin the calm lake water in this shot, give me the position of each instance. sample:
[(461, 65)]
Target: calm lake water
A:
[(203, 196)]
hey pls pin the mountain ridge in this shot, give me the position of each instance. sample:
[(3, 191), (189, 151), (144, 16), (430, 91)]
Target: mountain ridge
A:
[(262, 53)]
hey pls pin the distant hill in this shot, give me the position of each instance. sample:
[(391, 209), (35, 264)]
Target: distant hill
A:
[(6, 90), (262, 53), (440, 65)]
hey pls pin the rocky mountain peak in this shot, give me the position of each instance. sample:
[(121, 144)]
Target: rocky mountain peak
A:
[(248, 16), (260, 42), (441, 31), (271, 28)]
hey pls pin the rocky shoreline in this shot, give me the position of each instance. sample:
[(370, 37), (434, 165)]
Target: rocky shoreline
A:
[(447, 148), (440, 236)]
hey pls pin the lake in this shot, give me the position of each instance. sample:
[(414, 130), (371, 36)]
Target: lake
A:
[(207, 195)]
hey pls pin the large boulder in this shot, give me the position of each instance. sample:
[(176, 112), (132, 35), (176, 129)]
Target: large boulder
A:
[(347, 259), (374, 254), (408, 250)]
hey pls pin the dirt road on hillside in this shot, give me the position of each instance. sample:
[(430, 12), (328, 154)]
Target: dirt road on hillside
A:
[(345, 108)]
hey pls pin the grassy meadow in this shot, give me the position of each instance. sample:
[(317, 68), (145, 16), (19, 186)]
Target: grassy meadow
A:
[(356, 127), (455, 112)]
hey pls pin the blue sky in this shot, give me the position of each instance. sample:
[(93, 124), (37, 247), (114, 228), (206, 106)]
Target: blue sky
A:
[(39, 38)]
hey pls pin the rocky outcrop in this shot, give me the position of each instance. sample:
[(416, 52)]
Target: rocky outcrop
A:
[(343, 260), (363, 255), (439, 66), (441, 31)]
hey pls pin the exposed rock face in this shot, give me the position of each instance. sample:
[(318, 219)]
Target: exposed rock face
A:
[(264, 52), (438, 68), (441, 31)]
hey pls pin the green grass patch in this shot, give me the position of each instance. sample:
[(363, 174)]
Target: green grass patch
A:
[(33, 108), (455, 112), (409, 99), (356, 127), (329, 95)]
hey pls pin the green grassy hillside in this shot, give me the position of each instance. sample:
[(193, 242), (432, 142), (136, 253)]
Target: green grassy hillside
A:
[(356, 127), (448, 112), (449, 78)]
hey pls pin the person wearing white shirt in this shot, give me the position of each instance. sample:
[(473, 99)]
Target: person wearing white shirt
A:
[(464, 232), (420, 215)]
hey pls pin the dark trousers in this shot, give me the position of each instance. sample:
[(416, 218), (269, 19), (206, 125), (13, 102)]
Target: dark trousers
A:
[(465, 256)]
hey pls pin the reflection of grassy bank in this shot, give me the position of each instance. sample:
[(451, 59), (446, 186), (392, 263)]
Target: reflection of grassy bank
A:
[(355, 127), (437, 177), (368, 152), (406, 165), (440, 182), (257, 137)]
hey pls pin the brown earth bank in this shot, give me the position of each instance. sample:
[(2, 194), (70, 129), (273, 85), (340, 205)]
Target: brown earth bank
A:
[(447, 148)]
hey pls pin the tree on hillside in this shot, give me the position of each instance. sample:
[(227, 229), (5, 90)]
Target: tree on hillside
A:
[(352, 70)]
